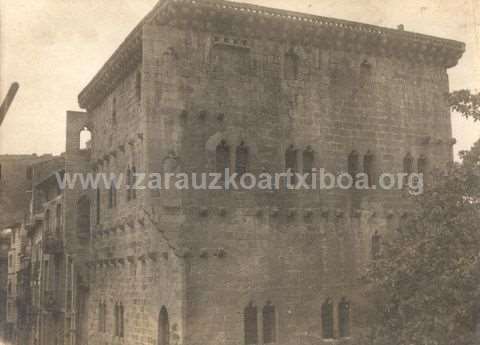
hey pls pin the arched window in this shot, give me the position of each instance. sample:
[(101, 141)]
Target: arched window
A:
[(368, 167), (222, 157), (376, 245), (85, 138), (241, 163), (353, 164), (344, 318), (83, 217), (408, 164), (327, 319), (292, 62), (98, 204), (250, 325), (101, 317), (269, 324), (291, 164), (422, 164), (308, 159), (58, 219), (163, 337)]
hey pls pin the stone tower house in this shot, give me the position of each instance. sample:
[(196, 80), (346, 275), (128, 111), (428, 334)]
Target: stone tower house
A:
[(200, 85)]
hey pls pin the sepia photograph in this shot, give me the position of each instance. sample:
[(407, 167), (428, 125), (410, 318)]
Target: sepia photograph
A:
[(251, 172)]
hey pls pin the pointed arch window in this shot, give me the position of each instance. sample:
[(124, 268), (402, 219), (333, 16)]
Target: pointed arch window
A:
[(291, 164), (353, 164), (344, 318), (222, 157), (102, 317), (308, 161), (250, 325), (163, 336), (83, 217), (422, 164), (369, 168), (408, 164), (119, 320), (327, 319), (269, 324), (242, 158)]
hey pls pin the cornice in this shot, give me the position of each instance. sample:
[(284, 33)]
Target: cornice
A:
[(251, 21)]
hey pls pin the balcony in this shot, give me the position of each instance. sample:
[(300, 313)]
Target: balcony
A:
[(52, 244)]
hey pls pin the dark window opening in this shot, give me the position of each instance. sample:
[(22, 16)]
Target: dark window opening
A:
[(353, 164), (163, 336), (327, 319), (292, 62), (368, 167), (241, 164), (114, 111), (83, 218), (133, 184), (250, 325), (344, 318), (408, 164), (222, 157), (269, 324), (291, 165), (308, 160), (422, 165), (29, 173)]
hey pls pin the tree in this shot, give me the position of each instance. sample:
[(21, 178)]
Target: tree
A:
[(423, 289)]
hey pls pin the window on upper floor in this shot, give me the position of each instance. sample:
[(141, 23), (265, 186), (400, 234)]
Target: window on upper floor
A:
[(85, 138), (133, 179), (250, 325), (129, 184), (47, 221), (291, 164), (242, 156), (29, 173), (369, 167), (353, 164), (269, 324), (408, 164), (222, 157), (308, 161), (422, 164), (292, 65), (327, 319)]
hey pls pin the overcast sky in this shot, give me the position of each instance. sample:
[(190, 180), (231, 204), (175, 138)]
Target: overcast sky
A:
[(54, 47)]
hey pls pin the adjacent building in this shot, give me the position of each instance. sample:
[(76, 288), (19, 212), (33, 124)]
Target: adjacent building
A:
[(197, 87)]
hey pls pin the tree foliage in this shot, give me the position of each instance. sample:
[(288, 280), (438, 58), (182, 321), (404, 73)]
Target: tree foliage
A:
[(424, 288)]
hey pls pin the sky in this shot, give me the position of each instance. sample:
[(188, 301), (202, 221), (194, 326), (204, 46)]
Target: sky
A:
[(53, 48)]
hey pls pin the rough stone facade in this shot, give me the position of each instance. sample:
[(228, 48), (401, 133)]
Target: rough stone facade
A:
[(187, 267), (273, 90)]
